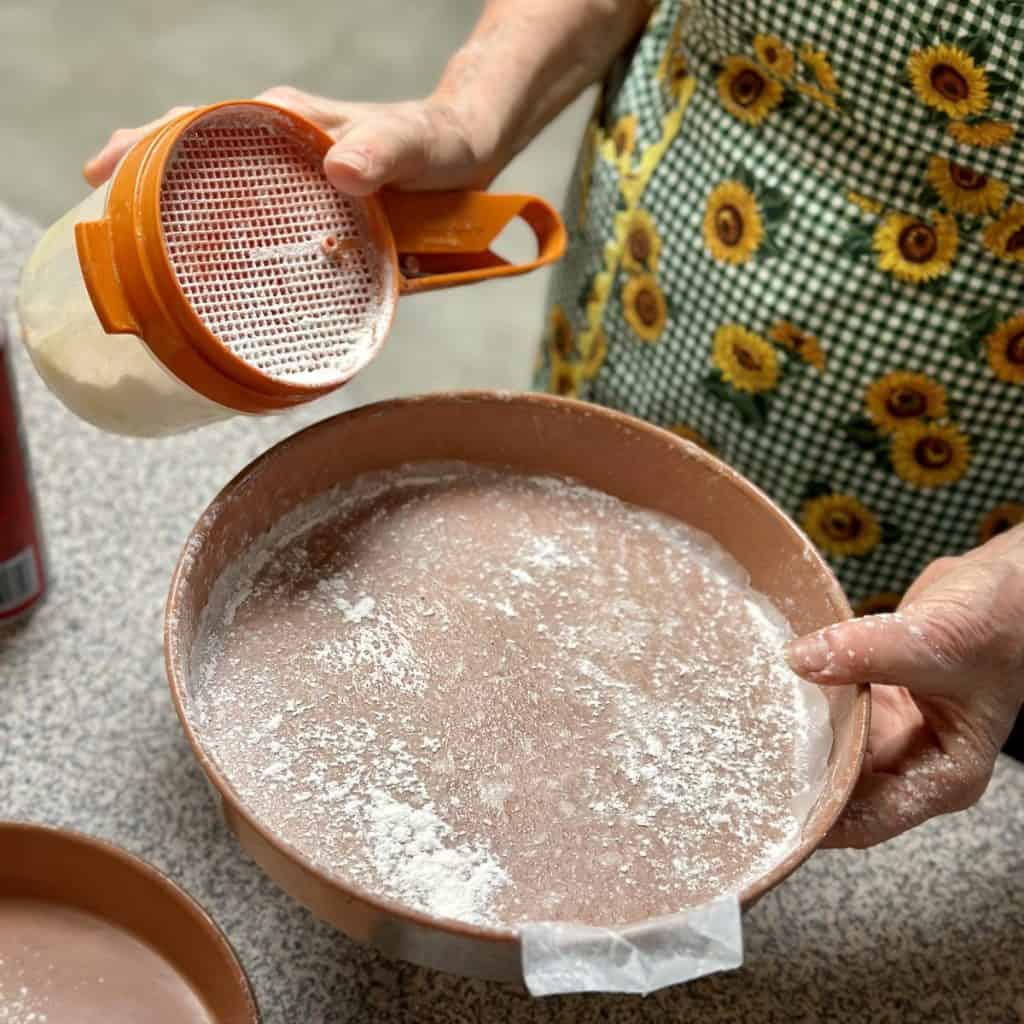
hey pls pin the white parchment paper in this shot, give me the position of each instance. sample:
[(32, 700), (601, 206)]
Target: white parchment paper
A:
[(563, 958)]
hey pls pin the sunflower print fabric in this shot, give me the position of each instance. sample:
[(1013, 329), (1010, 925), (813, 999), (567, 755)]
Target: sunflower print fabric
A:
[(798, 242)]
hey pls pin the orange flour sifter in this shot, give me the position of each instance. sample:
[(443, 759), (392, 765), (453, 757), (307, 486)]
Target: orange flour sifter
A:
[(219, 272)]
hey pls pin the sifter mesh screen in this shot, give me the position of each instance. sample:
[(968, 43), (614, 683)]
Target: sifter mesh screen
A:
[(246, 209)]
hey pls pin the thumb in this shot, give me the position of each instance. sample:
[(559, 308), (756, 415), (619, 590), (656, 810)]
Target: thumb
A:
[(375, 152), (894, 650)]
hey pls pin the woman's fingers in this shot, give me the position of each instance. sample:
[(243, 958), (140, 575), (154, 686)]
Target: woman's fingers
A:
[(330, 115), (379, 144), (951, 662), (418, 145), (899, 729), (930, 783), (922, 760), (958, 638), (891, 649), (101, 166), (376, 151)]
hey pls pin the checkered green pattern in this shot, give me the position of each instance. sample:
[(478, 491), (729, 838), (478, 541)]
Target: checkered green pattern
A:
[(868, 323)]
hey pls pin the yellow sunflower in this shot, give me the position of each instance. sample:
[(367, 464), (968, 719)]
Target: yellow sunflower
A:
[(914, 249), (879, 604), (775, 55), (644, 306), (746, 360), (930, 454), (746, 91), (560, 333), (819, 64), (963, 189), (999, 520), (946, 78), (841, 525), (687, 433), (1004, 237), (637, 238), (733, 228), (1005, 350), (804, 345), (812, 92), (982, 134), (872, 207), (597, 350), (896, 399), (564, 379)]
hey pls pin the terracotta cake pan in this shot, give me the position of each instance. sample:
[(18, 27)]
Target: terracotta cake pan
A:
[(89, 934), (531, 434)]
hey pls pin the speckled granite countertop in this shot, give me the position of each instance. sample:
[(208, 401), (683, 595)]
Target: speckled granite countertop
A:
[(927, 928)]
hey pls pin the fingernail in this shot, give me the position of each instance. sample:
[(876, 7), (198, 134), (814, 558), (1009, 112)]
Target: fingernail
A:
[(810, 655), (354, 159)]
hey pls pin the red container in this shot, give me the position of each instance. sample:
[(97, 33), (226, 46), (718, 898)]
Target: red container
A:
[(22, 572)]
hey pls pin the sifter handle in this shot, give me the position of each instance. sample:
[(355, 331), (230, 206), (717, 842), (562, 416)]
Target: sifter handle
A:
[(443, 239)]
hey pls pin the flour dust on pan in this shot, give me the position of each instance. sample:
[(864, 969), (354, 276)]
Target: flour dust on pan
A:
[(503, 699)]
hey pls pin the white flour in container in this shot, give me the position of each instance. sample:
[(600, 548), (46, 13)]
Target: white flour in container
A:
[(500, 698)]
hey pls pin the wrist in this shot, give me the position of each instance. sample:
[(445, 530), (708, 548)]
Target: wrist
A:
[(467, 102), (525, 62)]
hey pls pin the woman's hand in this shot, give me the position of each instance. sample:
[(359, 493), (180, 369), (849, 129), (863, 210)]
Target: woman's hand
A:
[(418, 144), (947, 675)]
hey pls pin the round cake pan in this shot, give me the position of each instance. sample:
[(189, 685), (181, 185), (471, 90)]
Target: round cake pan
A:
[(89, 933), (532, 434)]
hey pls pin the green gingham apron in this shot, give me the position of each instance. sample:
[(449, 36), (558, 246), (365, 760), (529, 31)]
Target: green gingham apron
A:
[(797, 238)]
